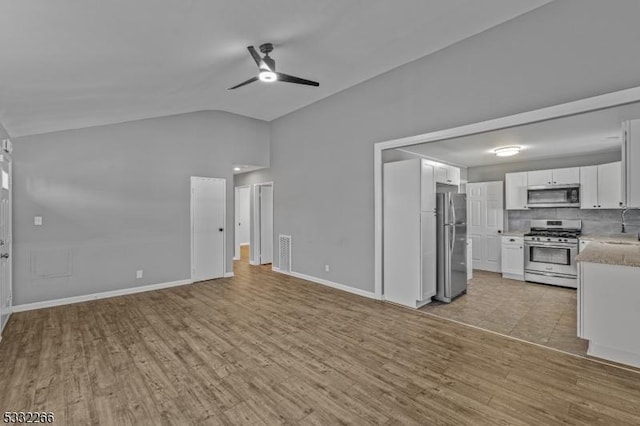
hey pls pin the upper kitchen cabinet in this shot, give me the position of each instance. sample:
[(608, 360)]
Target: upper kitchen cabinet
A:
[(631, 162), (516, 191), (566, 176), (449, 175), (554, 177), (539, 177), (601, 186)]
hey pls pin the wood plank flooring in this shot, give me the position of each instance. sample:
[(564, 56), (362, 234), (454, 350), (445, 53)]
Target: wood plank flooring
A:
[(265, 348)]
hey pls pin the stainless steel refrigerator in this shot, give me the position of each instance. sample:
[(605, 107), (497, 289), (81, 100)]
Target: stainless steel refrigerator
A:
[(451, 243)]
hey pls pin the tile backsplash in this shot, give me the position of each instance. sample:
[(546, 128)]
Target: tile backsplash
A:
[(594, 222)]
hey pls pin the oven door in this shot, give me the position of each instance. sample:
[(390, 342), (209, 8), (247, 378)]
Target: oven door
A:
[(553, 258)]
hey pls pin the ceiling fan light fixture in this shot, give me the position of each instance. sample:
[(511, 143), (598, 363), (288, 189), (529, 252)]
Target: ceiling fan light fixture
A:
[(267, 76), (507, 151)]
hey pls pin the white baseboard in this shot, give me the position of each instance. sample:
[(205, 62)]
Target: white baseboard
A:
[(244, 244), (228, 275), (513, 277), (236, 258), (251, 262), (613, 354), (328, 283), (96, 296)]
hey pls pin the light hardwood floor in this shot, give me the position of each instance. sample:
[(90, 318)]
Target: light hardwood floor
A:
[(265, 348)]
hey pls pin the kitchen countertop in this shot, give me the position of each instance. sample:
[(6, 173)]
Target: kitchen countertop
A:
[(514, 234), (631, 237), (623, 251)]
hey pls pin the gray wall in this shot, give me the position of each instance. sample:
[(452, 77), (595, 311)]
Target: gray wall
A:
[(115, 199), (322, 161), (497, 172), (3, 132)]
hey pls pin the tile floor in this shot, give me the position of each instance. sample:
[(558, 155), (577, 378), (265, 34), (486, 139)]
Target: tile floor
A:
[(536, 313)]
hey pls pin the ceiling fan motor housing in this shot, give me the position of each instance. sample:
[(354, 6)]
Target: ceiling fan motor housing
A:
[(266, 48)]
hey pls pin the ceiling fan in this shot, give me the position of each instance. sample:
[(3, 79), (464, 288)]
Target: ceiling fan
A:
[(267, 67)]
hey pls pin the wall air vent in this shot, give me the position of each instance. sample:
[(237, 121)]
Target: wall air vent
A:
[(284, 246)]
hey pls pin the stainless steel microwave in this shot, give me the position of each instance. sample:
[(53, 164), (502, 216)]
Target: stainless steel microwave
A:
[(553, 196)]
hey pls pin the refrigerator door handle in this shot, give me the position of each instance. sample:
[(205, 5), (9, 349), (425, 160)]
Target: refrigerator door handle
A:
[(453, 224)]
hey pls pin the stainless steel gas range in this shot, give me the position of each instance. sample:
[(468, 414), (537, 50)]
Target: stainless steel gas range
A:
[(551, 247)]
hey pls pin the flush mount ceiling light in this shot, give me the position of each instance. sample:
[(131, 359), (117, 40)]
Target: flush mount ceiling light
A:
[(507, 151), (237, 169)]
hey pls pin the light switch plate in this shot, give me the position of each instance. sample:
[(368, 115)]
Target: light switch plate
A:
[(37, 220)]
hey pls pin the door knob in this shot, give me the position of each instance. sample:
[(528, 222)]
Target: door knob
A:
[(4, 256), (220, 229)]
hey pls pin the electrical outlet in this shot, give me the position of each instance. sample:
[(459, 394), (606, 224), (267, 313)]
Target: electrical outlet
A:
[(139, 274), (326, 268), (37, 220)]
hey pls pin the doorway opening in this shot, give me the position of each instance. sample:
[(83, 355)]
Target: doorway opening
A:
[(242, 222), (254, 223)]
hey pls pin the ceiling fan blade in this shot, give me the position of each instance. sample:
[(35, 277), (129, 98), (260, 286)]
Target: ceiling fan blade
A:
[(251, 80), (297, 80), (256, 57)]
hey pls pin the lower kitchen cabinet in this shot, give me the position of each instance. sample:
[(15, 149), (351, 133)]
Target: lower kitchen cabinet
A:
[(608, 300), (513, 257)]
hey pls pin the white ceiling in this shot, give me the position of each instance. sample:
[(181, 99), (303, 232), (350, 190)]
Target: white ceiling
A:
[(588, 133), (70, 64)]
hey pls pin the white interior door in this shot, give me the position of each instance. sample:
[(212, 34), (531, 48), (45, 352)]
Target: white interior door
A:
[(5, 240), (242, 218), (207, 228), (485, 218), (266, 224)]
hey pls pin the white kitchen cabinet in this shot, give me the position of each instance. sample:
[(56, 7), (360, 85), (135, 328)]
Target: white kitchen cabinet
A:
[(564, 176), (409, 248), (589, 187), (513, 258), (446, 174), (608, 300), (539, 177), (610, 186), (516, 191), (631, 163), (601, 186)]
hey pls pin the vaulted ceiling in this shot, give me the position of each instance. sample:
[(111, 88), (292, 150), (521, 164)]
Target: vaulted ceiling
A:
[(70, 64)]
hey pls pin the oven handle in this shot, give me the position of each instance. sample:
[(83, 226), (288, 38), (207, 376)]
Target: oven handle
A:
[(568, 246)]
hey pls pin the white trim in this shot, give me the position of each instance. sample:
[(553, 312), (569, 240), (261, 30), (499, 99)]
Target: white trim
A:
[(254, 233), (229, 275), (245, 244), (328, 283), (570, 108), (236, 258), (96, 296), (613, 354)]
